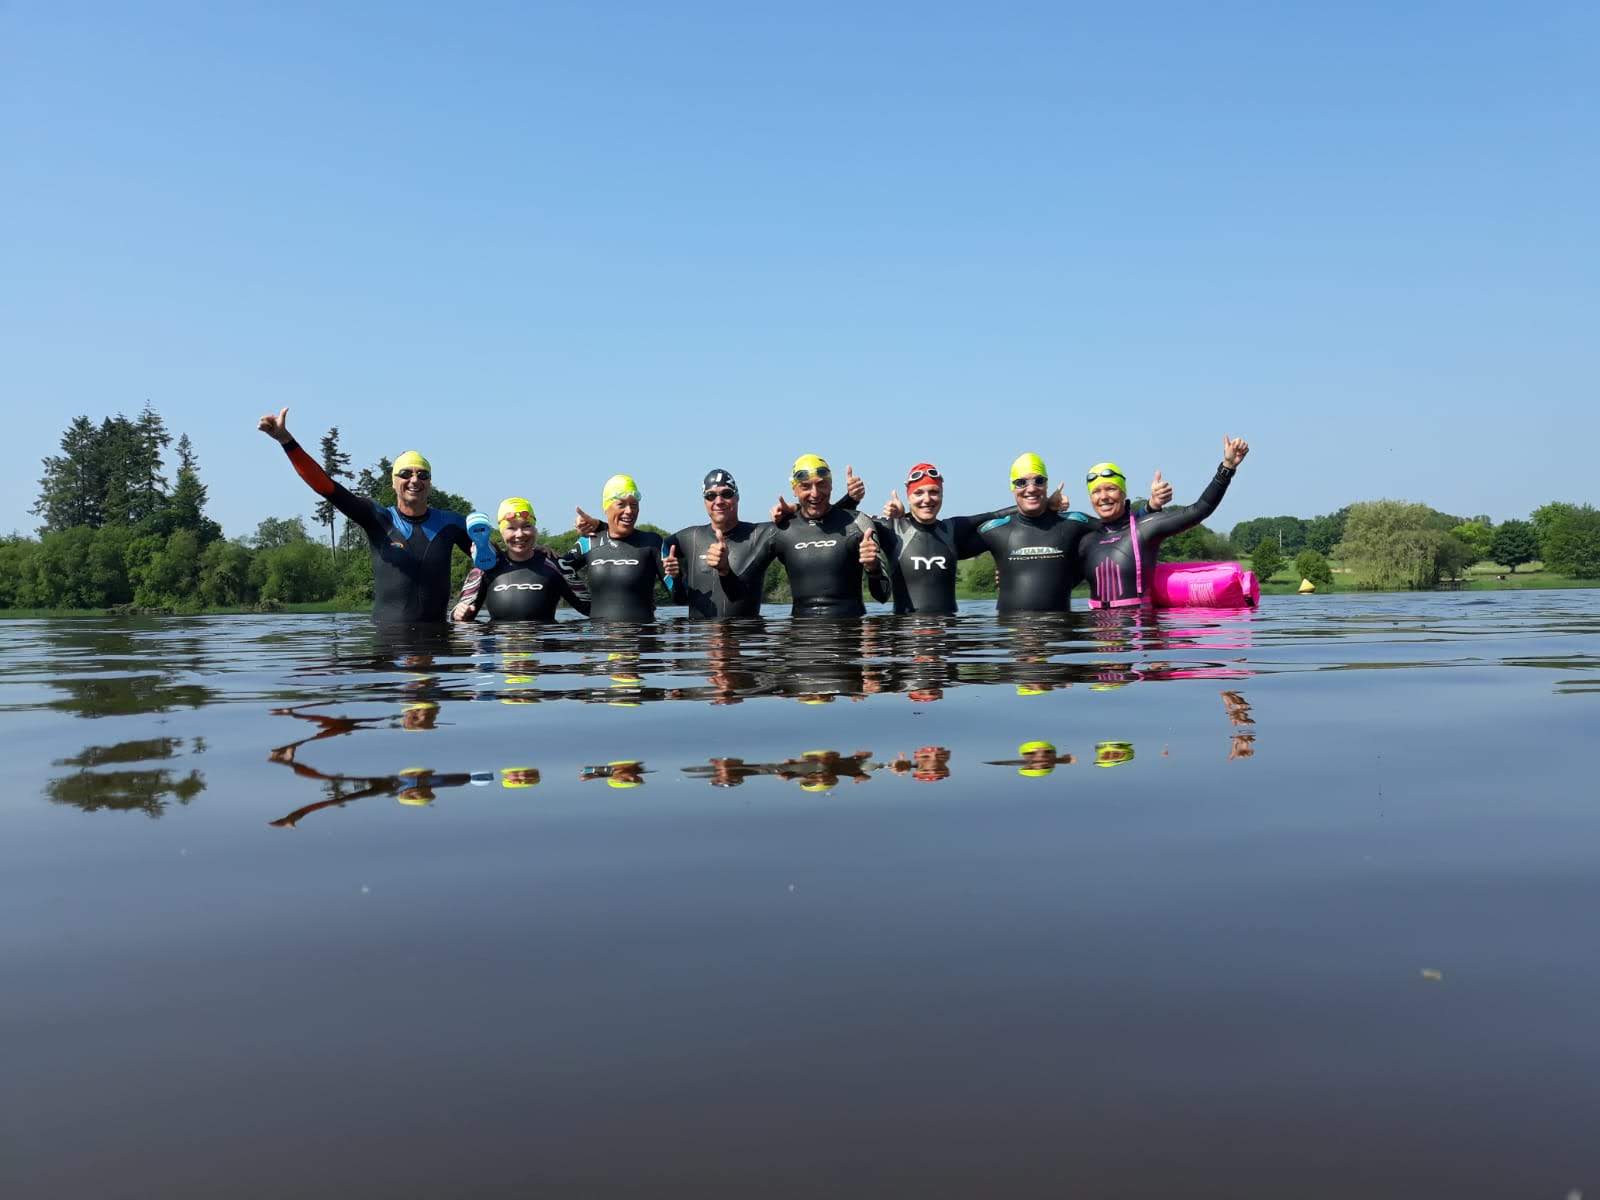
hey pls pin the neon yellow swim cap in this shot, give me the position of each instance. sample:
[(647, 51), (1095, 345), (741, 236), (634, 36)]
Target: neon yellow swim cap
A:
[(1027, 464), (511, 506), (811, 464), (1035, 772), (414, 801), (613, 781), (1098, 475), (413, 461), (1035, 747), (618, 487), (1113, 754), (815, 785), (1024, 689), (519, 777)]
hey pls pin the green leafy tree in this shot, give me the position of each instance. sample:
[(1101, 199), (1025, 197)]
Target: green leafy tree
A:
[(1288, 532), (1198, 544), (1546, 517), (1308, 564), (1572, 544), (273, 532), (1515, 543), (224, 576), (72, 488), (1266, 558), (337, 464), (1391, 544), (977, 575), (1477, 534), (292, 573), (1324, 533), (1455, 555)]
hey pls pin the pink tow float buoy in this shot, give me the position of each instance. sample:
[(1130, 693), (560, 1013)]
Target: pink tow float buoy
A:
[(1205, 585)]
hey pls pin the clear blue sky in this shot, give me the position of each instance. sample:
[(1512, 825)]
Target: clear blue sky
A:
[(543, 243)]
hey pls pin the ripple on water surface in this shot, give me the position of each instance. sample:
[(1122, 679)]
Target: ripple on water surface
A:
[(1226, 903)]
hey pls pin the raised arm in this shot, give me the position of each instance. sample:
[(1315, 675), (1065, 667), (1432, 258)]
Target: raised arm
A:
[(362, 511), (1186, 516)]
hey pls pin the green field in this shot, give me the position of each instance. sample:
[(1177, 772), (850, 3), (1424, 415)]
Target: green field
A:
[(1483, 577)]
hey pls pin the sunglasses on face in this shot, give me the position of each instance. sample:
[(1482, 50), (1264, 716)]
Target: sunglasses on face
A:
[(407, 473), (1019, 484), (929, 473), (806, 474), (722, 495), (1093, 475)]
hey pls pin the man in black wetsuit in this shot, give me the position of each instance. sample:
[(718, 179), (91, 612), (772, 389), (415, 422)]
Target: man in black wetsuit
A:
[(522, 585), (1120, 567), (826, 548), (1035, 549), (722, 564), (410, 543), (622, 563)]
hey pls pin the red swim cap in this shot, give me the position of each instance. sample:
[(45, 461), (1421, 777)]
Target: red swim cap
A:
[(923, 475)]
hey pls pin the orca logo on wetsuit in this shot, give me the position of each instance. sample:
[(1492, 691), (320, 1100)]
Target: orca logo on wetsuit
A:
[(1036, 552), (818, 544), (615, 562), (519, 587), (927, 564)]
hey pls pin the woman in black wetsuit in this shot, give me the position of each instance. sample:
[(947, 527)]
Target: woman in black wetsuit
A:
[(525, 583), (1119, 558)]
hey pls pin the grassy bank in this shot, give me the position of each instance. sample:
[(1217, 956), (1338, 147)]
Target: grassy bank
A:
[(314, 606)]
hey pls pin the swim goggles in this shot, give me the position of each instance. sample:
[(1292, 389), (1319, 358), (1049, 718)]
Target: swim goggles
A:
[(803, 474), (723, 494), (407, 473), (926, 473), (1103, 473), (1027, 479)]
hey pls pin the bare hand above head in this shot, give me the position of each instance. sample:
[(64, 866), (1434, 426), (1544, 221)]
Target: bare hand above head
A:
[(1233, 451), (855, 488), (276, 427), (1160, 492)]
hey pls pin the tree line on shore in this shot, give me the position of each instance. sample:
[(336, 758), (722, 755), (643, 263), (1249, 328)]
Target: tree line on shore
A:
[(115, 531)]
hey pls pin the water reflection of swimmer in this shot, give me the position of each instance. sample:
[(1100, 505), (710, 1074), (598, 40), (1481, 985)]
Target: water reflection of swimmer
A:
[(1112, 754), (1035, 760), (814, 770), (624, 773), (1243, 741), (927, 764), (416, 717), (412, 786)]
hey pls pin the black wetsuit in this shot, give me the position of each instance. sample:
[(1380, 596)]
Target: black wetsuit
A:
[(621, 575), (823, 559), (924, 558), (1106, 557), (410, 555), (1037, 558), (714, 596), (530, 590)]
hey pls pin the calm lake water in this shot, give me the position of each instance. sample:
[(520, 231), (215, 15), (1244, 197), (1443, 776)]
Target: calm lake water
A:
[(1292, 903)]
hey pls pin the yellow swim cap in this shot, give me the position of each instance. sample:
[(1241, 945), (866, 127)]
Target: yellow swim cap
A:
[(811, 464), (1035, 772), (519, 777), (1024, 689), (618, 487), (1106, 472), (1034, 747), (1113, 754), (815, 785), (414, 801), (1028, 464), (412, 460), (511, 506)]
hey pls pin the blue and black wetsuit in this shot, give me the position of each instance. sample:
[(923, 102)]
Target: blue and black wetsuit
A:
[(620, 574), (530, 590), (1117, 576), (410, 555), (714, 596)]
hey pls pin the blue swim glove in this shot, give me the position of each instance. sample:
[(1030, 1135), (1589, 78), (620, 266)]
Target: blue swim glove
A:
[(478, 529)]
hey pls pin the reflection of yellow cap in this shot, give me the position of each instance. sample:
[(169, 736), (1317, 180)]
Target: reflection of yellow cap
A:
[(519, 777), (623, 703), (519, 699), (522, 679), (625, 680), (414, 801), (1108, 687), (811, 463), (1035, 772), (511, 506), (413, 772), (618, 487), (420, 705), (613, 781), (815, 785), (1113, 754), (1028, 464), (815, 699), (1033, 747), (1024, 689), (411, 459)]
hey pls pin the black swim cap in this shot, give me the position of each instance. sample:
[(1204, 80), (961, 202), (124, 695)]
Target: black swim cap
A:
[(717, 477)]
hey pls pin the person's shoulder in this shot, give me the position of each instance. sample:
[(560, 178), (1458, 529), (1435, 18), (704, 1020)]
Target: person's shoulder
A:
[(994, 523)]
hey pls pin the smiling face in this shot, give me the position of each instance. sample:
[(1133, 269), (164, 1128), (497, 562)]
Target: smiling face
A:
[(412, 487), (622, 514), (722, 506), (1031, 493), (814, 495), (926, 501), (519, 534), (1109, 500)]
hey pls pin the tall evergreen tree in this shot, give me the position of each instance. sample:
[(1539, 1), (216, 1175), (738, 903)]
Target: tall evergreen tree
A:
[(72, 488), (151, 440), (337, 464), (187, 504)]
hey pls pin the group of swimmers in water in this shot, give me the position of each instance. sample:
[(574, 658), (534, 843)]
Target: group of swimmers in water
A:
[(909, 554)]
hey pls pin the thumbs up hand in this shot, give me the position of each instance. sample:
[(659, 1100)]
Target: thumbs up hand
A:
[(782, 511), (717, 557), (669, 565), (855, 488), (892, 507), (585, 524), (1160, 492), (276, 427), (1233, 450), (869, 551), (1058, 498)]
